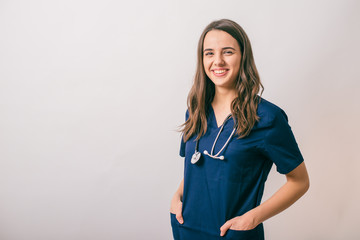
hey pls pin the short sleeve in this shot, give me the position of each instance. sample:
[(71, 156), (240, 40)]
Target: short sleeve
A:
[(182, 144), (280, 144)]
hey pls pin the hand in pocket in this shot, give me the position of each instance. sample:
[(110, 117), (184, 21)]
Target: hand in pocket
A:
[(241, 223), (176, 208)]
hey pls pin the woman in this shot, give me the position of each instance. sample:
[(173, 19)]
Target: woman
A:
[(231, 138)]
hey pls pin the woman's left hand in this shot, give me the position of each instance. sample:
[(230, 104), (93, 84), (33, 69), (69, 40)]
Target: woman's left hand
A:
[(240, 223)]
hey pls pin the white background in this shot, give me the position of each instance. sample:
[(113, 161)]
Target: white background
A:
[(92, 92)]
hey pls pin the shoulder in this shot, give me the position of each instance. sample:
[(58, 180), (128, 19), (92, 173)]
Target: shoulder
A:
[(268, 112)]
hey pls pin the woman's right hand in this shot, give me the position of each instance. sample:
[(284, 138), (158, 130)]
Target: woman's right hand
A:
[(176, 207)]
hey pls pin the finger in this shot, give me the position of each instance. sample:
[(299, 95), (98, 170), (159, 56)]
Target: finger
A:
[(179, 218), (224, 228)]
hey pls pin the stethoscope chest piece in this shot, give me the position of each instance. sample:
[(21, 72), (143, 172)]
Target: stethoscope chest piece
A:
[(195, 157)]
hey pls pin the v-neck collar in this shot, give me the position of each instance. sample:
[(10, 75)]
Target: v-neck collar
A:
[(214, 120)]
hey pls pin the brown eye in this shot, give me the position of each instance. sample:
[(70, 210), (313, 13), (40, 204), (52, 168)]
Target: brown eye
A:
[(208, 54)]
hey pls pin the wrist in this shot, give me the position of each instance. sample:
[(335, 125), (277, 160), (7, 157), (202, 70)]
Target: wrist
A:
[(255, 215)]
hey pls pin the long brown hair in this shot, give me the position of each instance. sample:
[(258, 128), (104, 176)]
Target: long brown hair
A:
[(248, 85)]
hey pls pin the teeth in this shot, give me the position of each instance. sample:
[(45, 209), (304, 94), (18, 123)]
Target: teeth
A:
[(219, 71)]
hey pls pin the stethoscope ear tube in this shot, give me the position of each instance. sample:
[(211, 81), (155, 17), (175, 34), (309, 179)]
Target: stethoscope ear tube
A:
[(215, 157)]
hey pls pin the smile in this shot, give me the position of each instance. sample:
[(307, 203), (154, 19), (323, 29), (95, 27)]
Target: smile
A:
[(220, 73)]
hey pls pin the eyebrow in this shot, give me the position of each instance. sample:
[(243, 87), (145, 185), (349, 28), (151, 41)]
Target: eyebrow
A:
[(210, 49)]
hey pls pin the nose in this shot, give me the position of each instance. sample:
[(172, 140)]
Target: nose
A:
[(219, 60)]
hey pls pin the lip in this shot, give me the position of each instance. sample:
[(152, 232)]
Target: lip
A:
[(223, 72)]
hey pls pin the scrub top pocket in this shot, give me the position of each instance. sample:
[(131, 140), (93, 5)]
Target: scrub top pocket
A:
[(175, 226)]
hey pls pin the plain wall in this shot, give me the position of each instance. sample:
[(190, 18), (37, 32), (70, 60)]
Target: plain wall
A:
[(92, 93)]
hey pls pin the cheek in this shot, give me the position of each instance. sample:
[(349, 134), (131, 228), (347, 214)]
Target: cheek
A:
[(207, 66), (238, 62), (236, 65)]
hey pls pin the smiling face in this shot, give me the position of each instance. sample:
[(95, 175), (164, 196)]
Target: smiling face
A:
[(221, 58)]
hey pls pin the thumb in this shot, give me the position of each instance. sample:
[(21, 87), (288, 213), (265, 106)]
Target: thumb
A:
[(179, 218), (224, 228)]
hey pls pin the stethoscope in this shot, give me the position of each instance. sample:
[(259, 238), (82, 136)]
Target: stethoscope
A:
[(196, 156)]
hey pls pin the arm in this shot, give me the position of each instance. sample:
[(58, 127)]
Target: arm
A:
[(176, 203), (296, 185)]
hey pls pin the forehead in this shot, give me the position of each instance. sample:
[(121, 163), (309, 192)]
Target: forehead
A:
[(219, 39)]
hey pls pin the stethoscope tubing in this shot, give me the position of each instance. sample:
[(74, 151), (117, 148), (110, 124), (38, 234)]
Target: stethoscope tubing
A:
[(196, 156)]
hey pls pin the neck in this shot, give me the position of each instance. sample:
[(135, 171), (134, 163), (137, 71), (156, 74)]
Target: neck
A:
[(224, 97)]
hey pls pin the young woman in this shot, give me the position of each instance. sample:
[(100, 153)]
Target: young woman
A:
[(231, 138)]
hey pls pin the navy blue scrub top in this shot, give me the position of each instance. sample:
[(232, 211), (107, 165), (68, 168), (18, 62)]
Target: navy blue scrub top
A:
[(218, 190)]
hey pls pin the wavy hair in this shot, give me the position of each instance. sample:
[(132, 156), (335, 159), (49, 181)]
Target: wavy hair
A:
[(248, 85)]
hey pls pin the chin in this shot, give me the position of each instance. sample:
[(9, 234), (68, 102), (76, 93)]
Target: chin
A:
[(222, 83)]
